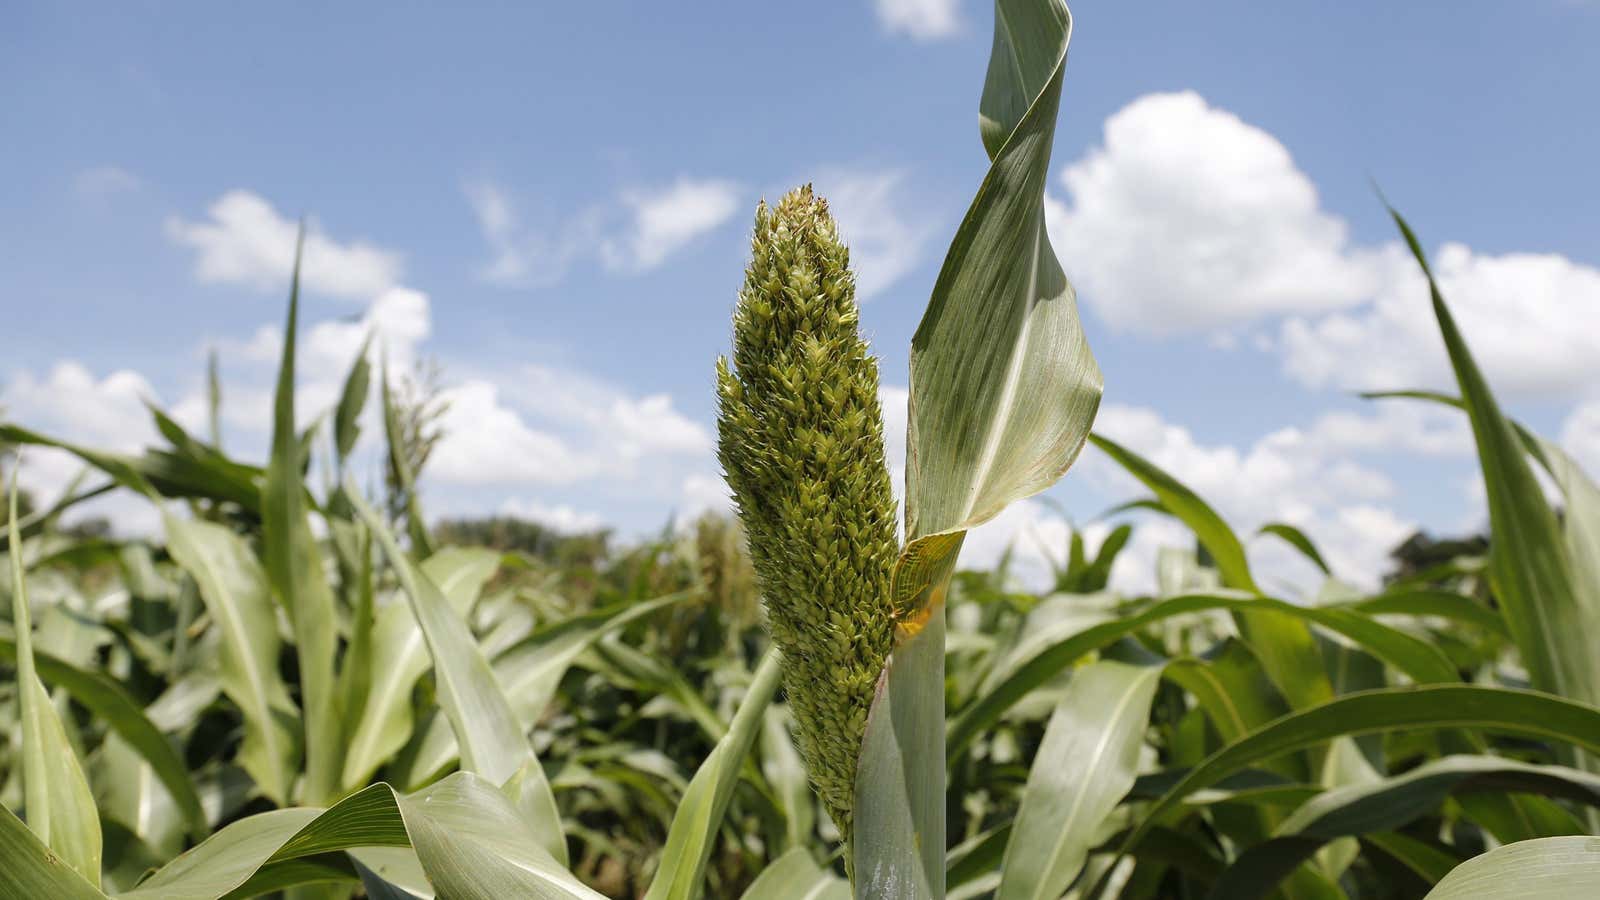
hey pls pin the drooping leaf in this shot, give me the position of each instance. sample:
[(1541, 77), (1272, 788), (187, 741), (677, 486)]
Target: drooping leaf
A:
[(490, 738), (347, 419), (698, 821), (234, 588), (1298, 539), (1084, 766)]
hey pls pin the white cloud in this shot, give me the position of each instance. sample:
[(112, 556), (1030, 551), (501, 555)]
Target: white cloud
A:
[(71, 403), (663, 221), (637, 232), (1305, 477), (101, 182), (246, 241), (924, 20), (1187, 218), (886, 238), (1532, 322), (558, 427), (1580, 435), (701, 494), (561, 517)]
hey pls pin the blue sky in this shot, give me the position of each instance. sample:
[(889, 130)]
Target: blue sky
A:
[(553, 201)]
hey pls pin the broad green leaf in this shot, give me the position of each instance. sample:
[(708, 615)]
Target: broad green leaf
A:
[(698, 821), (29, 869), (1551, 619), (1442, 604), (1084, 766), (1286, 649), (782, 767), (347, 420), (1412, 655), (900, 802), (1297, 539), (1429, 862), (471, 843), (529, 672), (491, 739), (295, 571), (1558, 868), (1389, 804), (1518, 712), (58, 802), (399, 657), (796, 876), (110, 702), (1003, 392), (234, 589)]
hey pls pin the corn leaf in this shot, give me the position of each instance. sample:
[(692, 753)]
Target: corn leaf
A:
[(1558, 868), (1389, 804), (58, 802), (1551, 619), (29, 869), (1414, 656), (698, 820), (295, 571), (1003, 392), (469, 839), (491, 739), (1519, 712), (399, 658), (1084, 766), (796, 876), (234, 589)]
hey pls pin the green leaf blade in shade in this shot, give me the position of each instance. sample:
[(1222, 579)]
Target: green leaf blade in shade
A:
[(1299, 540), (295, 571), (1389, 804), (796, 876), (698, 820), (1084, 766), (110, 702), (30, 869), (1286, 649), (58, 802), (492, 741), (235, 592), (1552, 622), (1557, 868), (1502, 710)]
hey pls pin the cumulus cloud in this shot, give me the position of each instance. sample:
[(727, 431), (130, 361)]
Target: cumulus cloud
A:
[(923, 20), (244, 240), (886, 236), (1532, 321), (1186, 218), (561, 517)]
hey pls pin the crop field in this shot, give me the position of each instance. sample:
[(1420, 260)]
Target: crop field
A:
[(303, 685)]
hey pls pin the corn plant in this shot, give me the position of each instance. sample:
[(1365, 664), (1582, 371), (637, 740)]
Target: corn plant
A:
[(297, 689)]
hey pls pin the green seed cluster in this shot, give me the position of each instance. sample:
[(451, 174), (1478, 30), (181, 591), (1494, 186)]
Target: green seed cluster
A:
[(801, 441)]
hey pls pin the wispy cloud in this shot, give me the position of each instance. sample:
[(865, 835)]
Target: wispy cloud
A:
[(923, 20)]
